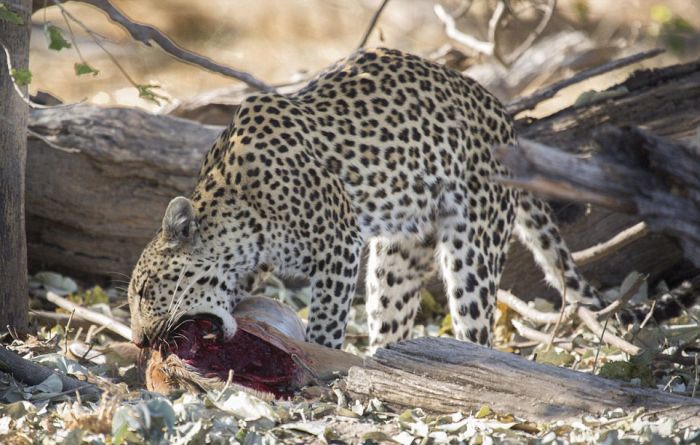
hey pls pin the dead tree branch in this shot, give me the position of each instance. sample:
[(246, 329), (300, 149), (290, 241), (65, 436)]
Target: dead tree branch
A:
[(372, 24), (492, 47), (591, 321), (614, 244), (547, 13), (637, 173), (91, 316), (531, 101), (147, 34)]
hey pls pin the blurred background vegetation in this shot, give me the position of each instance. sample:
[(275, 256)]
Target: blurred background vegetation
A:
[(287, 40)]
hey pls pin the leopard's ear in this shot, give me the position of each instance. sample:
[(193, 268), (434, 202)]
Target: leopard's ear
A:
[(179, 223)]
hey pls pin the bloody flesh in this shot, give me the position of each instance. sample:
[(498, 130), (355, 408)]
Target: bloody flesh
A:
[(255, 363)]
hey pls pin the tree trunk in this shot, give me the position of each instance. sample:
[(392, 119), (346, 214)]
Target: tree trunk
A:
[(13, 149), (444, 375)]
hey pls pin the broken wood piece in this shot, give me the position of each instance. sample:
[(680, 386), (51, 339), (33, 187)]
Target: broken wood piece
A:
[(444, 375), (91, 316), (601, 250)]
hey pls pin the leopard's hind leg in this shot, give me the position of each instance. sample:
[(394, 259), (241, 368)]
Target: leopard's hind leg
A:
[(474, 230), (396, 272)]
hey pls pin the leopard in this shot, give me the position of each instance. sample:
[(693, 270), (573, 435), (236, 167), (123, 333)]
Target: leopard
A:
[(384, 151)]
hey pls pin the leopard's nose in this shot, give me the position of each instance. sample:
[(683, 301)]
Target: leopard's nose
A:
[(139, 337), (141, 341)]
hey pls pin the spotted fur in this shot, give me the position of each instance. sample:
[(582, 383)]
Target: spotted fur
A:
[(384, 147)]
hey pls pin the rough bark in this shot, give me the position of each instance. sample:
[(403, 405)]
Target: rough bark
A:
[(443, 375), (97, 192), (665, 101), (639, 173), (13, 147)]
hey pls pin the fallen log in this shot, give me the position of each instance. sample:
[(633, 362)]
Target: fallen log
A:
[(99, 179), (98, 183), (638, 173), (444, 375)]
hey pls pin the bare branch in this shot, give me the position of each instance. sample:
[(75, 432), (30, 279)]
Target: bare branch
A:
[(455, 34), (50, 143), (590, 320), (614, 244), (494, 23), (529, 102), (540, 337), (94, 317), (372, 24), (526, 311), (548, 12), (492, 47), (147, 34)]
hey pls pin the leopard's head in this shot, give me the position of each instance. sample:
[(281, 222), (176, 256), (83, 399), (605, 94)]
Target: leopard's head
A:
[(177, 278)]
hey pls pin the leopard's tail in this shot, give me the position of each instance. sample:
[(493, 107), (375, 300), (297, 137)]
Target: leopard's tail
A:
[(669, 305), (536, 229)]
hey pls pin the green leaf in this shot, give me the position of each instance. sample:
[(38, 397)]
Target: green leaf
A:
[(9, 16), (90, 297), (56, 40), (22, 76), (556, 358), (84, 68), (620, 370), (146, 92), (661, 13)]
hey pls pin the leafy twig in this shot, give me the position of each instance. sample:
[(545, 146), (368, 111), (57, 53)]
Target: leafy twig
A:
[(145, 91), (83, 67), (147, 34), (24, 98)]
